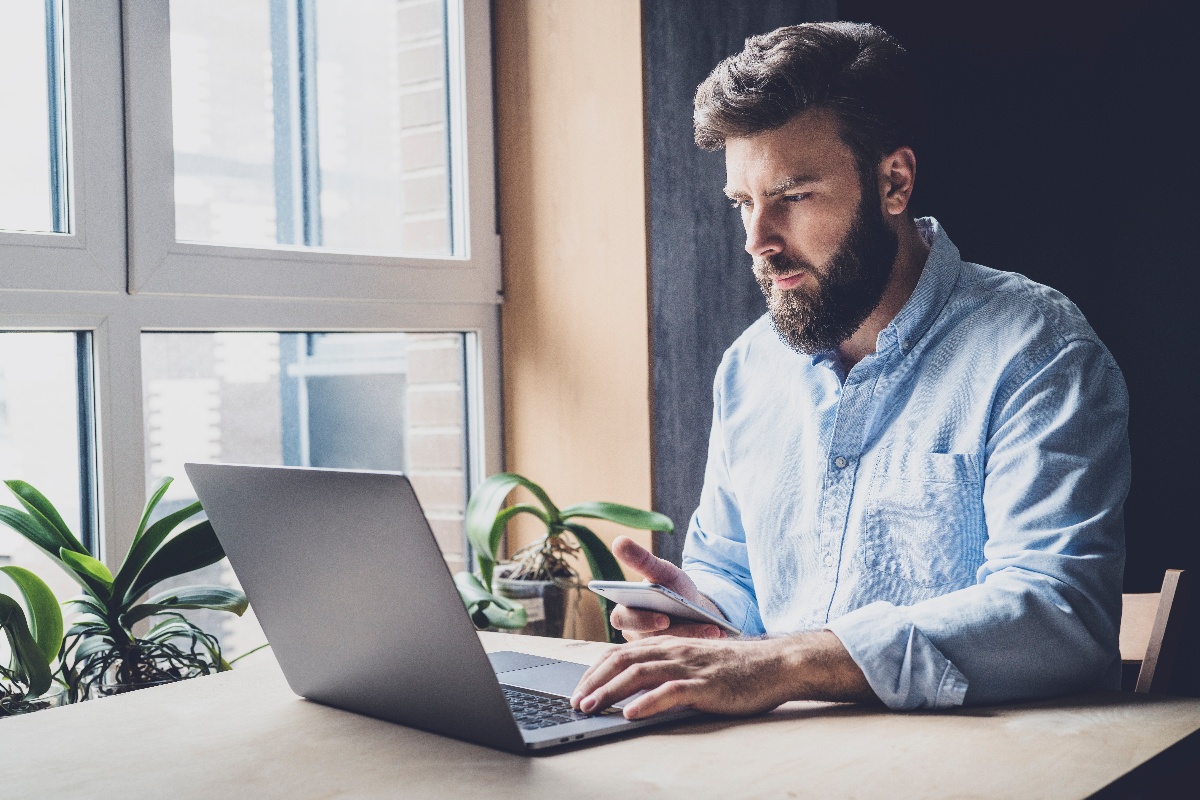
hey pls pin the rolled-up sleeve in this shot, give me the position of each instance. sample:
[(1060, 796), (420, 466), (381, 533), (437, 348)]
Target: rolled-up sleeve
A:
[(1043, 616), (715, 555)]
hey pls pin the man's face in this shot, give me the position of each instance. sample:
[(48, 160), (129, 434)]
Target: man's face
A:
[(822, 251)]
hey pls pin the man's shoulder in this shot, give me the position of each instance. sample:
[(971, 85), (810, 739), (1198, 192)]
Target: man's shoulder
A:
[(1009, 304)]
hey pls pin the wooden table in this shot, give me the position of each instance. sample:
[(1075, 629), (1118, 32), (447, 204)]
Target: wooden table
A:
[(245, 735)]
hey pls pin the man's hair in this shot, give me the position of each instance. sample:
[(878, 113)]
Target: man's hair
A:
[(856, 70)]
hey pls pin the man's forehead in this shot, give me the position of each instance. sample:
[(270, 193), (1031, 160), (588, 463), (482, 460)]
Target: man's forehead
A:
[(807, 148)]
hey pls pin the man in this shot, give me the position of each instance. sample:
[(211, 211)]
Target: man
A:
[(917, 465)]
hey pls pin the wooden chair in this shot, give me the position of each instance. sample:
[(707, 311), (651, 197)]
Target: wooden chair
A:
[(1151, 625)]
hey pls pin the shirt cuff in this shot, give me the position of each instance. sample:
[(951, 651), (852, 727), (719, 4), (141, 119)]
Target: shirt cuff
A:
[(904, 668), (739, 608)]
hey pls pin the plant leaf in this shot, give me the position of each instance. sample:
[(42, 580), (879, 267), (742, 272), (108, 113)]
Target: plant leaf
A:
[(91, 644), (45, 614), (487, 559), (487, 609), (217, 598), (46, 540), (604, 567), (484, 528), (88, 626), (622, 515), (87, 604), (28, 660), (251, 651), (189, 550), (28, 526), (143, 547), (86, 565), (156, 494), (44, 511)]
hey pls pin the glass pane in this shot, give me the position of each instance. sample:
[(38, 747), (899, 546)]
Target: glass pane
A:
[(224, 134), (385, 182), (347, 400), (32, 155), (39, 439), (312, 122)]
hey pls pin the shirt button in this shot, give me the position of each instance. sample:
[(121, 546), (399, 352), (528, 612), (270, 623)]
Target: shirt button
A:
[(828, 560), (840, 462)]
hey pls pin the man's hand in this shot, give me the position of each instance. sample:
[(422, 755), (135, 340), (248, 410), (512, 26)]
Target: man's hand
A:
[(725, 677), (636, 624)]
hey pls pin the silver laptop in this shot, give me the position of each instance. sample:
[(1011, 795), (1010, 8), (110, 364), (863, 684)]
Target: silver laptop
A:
[(360, 609)]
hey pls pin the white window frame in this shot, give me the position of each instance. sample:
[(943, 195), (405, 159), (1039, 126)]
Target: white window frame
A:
[(88, 281)]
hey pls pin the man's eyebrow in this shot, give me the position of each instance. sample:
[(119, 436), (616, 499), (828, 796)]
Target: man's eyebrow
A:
[(777, 189), (790, 183)]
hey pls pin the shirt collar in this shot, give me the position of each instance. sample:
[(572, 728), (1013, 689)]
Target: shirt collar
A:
[(938, 278)]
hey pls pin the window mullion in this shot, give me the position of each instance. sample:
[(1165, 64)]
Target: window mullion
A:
[(56, 93), (85, 392)]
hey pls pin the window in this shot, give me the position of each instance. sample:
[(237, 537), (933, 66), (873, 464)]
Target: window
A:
[(224, 224), (32, 163), (44, 429)]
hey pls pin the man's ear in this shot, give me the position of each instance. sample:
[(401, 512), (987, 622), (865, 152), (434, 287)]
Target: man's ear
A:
[(897, 174)]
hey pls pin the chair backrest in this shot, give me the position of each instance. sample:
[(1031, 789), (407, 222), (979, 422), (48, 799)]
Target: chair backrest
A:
[(1151, 625)]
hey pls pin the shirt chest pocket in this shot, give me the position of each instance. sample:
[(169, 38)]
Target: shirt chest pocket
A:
[(924, 520)]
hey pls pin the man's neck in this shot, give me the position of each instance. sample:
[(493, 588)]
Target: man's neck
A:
[(910, 260)]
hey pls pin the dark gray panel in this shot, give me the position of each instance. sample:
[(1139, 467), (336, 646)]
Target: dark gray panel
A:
[(702, 293)]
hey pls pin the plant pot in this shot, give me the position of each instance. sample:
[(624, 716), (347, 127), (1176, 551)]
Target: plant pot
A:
[(54, 699), (97, 690), (552, 606)]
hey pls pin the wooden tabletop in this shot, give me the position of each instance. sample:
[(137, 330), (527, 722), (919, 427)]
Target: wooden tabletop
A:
[(244, 734)]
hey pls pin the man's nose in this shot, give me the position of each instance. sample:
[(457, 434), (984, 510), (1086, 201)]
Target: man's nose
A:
[(762, 234)]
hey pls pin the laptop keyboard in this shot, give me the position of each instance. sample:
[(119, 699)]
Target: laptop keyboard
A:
[(534, 711)]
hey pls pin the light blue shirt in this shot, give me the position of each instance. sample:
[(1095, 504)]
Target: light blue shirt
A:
[(951, 508)]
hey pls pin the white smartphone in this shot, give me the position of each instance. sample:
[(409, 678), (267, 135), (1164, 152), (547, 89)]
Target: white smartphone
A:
[(653, 597)]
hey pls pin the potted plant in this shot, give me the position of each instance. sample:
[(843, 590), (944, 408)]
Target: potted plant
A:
[(101, 654), (542, 569), (33, 643)]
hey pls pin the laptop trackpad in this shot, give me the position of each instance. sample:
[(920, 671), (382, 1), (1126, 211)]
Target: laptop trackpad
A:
[(558, 678), (550, 676)]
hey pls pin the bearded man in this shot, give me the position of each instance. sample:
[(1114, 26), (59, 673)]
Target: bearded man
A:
[(917, 465)]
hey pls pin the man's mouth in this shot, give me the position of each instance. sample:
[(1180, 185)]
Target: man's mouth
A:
[(789, 281)]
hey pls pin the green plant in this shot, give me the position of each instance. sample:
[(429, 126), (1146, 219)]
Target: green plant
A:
[(33, 641), (100, 648), (547, 558)]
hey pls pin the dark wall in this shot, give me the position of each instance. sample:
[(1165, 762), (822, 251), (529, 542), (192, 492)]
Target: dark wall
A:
[(1061, 146), (701, 290)]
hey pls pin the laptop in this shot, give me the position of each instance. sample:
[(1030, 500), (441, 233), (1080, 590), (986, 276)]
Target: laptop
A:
[(361, 611)]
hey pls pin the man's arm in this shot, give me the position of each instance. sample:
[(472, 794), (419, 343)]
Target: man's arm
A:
[(1043, 617)]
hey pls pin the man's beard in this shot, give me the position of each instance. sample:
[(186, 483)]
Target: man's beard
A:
[(849, 285)]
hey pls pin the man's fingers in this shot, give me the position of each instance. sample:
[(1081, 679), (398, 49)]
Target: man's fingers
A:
[(614, 661), (645, 563), (631, 619), (630, 680), (672, 694), (585, 680), (696, 630)]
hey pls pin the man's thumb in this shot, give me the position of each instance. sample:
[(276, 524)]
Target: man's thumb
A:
[(637, 558)]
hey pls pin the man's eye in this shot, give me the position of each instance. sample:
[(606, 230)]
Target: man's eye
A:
[(739, 203), (796, 198)]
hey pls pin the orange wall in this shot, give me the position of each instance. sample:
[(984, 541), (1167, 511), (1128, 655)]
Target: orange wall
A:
[(573, 221)]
